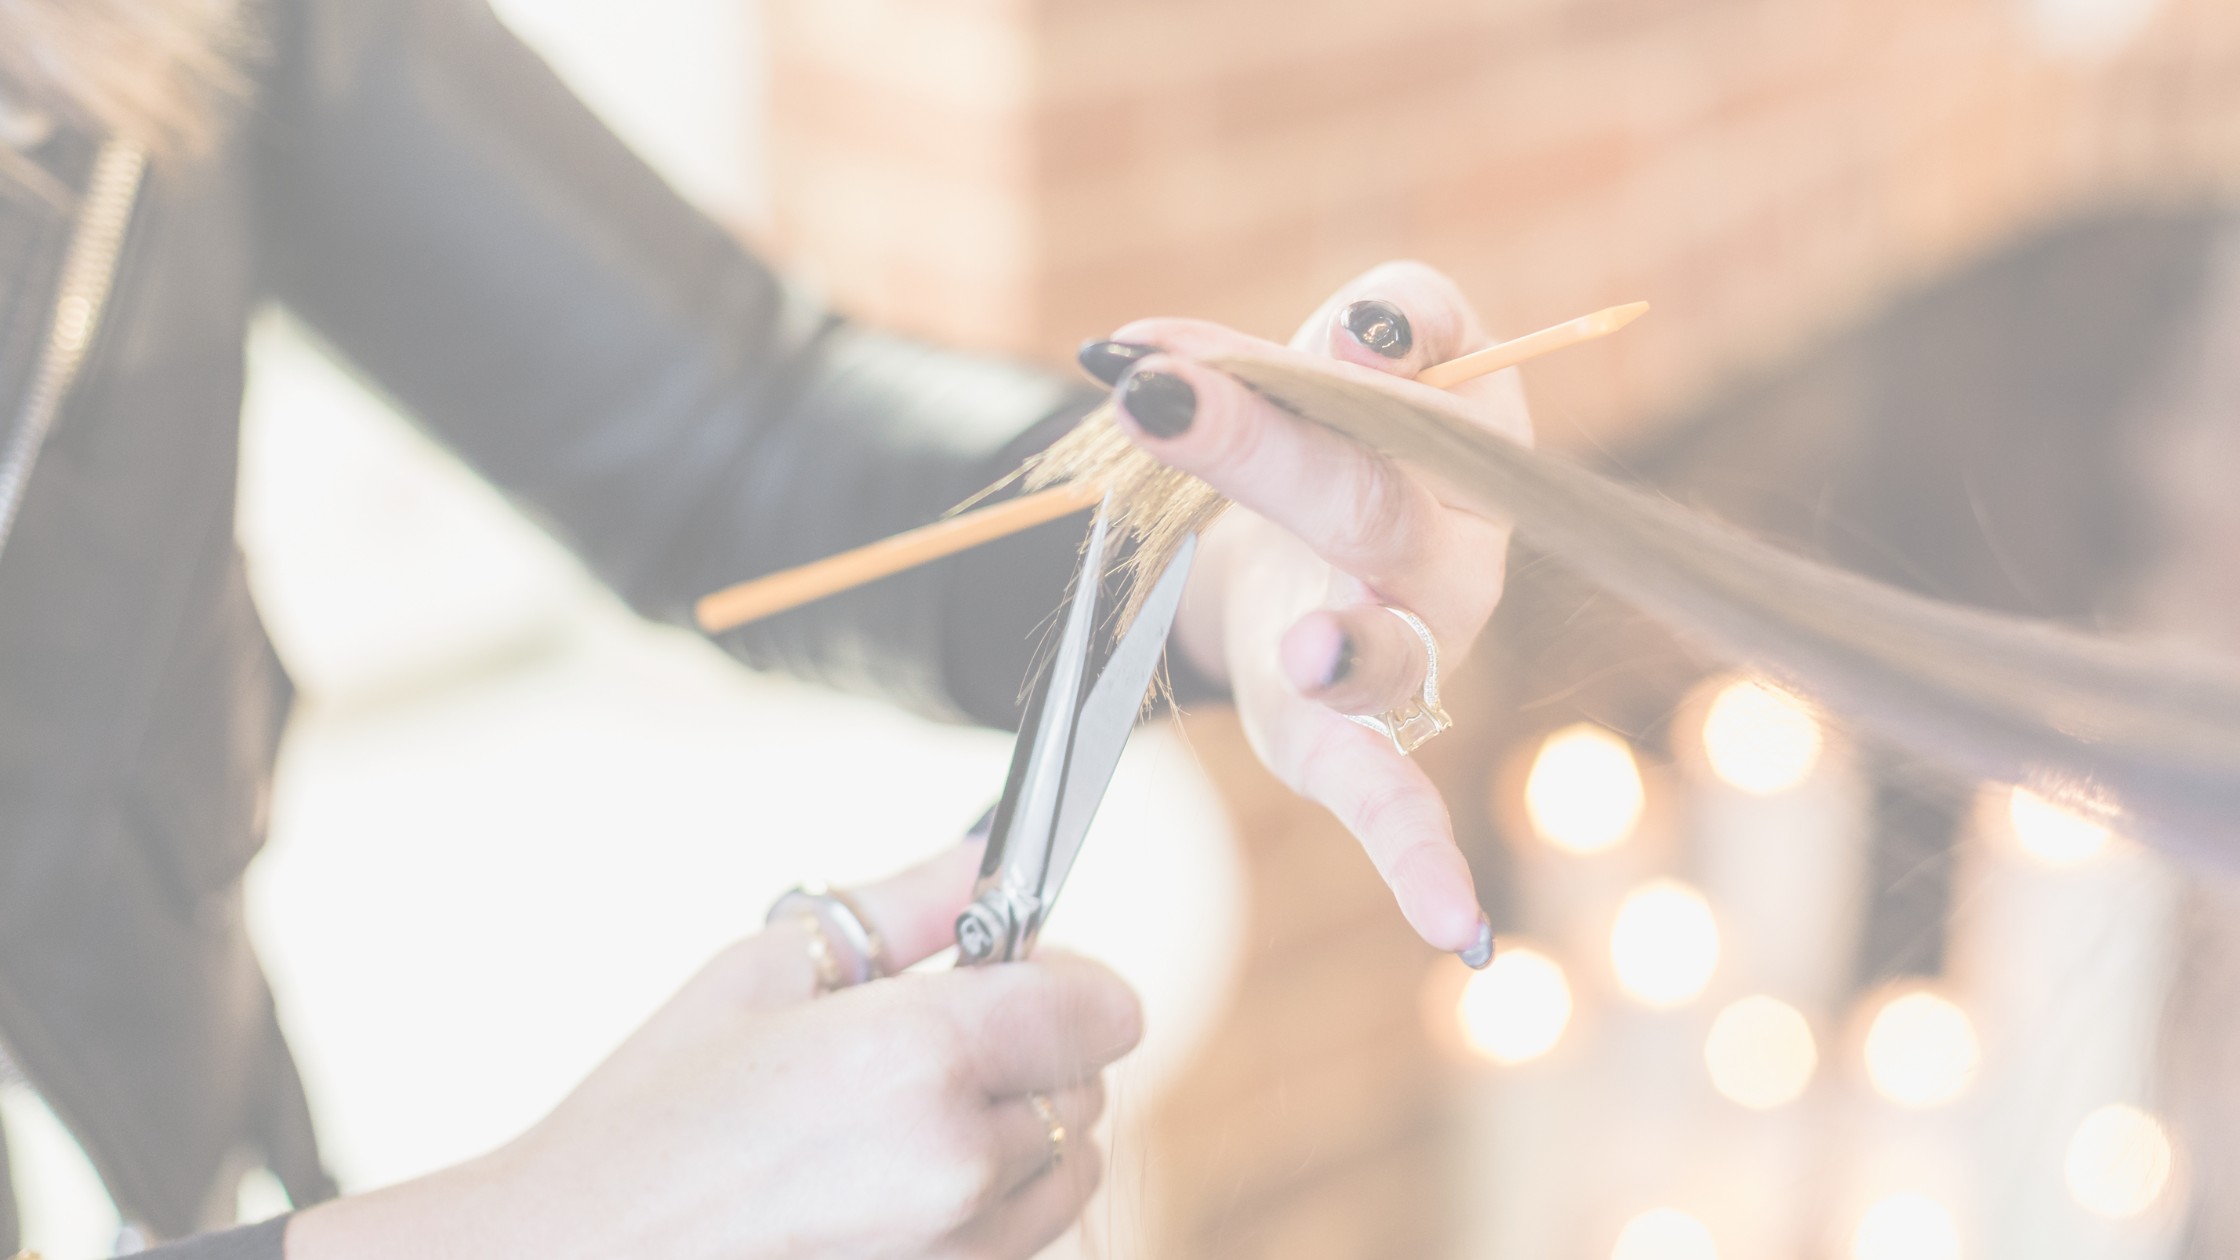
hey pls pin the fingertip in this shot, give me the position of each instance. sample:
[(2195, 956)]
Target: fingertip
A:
[(1183, 413), (1162, 403), (1397, 318), (1128, 1022), (1107, 361), (1479, 955), (1316, 654), (1379, 327), (1106, 999), (1439, 899)]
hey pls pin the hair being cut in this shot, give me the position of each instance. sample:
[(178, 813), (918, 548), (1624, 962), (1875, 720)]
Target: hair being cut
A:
[(159, 73), (2143, 736)]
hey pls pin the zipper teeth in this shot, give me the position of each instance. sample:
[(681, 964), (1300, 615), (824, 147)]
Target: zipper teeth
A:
[(87, 272)]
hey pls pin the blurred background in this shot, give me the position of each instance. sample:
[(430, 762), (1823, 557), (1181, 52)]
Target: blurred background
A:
[(1943, 293)]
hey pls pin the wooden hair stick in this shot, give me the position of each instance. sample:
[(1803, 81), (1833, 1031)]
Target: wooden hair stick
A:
[(735, 606)]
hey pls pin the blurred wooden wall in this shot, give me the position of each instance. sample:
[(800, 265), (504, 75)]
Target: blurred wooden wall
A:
[(1020, 174)]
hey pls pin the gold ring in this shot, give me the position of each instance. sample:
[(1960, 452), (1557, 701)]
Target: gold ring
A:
[(843, 948), (821, 958), (1053, 1125), (1412, 726)]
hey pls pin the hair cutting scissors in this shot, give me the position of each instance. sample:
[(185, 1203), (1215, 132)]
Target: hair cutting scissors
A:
[(1069, 742)]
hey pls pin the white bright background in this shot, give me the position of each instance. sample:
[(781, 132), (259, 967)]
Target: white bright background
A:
[(511, 818)]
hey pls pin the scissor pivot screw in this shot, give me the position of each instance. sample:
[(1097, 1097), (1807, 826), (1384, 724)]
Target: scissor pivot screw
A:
[(980, 933)]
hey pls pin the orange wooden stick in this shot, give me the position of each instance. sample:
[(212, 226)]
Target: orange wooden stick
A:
[(790, 588), (1530, 346)]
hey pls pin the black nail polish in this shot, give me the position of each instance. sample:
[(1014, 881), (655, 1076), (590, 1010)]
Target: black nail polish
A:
[(980, 830), (1341, 665), (1108, 361), (1479, 955), (1163, 403), (1379, 326)]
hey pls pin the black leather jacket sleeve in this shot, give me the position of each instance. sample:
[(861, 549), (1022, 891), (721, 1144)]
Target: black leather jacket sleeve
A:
[(463, 231), (264, 1241)]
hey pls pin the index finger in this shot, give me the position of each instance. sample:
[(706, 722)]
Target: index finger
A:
[(1354, 508)]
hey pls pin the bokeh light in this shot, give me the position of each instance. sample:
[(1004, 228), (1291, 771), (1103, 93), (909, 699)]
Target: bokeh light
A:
[(1516, 1008), (1760, 1052), (1921, 1050), (1665, 943), (1906, 1227), (1664, 1234), (2050, 833), (1584, 793), (1760, 738), (2119, 1162)]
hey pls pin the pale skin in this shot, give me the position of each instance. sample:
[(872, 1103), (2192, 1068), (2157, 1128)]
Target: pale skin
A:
[(1324, 532), (747, 1120), (750, 1119)]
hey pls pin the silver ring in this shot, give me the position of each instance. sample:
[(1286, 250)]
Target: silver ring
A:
[(842, 947), (1052, 1125), (1412, 726)]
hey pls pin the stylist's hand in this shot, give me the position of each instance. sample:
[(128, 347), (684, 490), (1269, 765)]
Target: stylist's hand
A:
[(1284, 603), (747, 1120)]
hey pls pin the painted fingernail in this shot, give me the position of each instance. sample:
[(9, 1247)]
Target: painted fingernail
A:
[(1341, 664), (1480, 954), (979, 830), (1379, 326), (1108, 361), (1163, 403)]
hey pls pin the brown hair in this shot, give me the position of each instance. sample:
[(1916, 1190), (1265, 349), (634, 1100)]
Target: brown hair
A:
[(156, 72), (2144, 736)]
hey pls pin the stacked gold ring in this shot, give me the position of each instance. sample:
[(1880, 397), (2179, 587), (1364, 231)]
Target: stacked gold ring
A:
[(1054, 1126), (843, 948)]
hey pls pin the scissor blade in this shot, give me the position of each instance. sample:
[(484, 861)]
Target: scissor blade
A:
[(1108, 715), (1020, 862)]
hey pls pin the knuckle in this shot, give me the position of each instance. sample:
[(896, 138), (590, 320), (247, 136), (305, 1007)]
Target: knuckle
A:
[(1375, 518), (1386, 810)]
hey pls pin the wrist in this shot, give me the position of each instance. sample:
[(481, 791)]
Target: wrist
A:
[(466, 1210)]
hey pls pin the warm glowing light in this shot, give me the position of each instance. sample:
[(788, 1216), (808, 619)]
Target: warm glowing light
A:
[(1664, 1235), (2119, 1161), (2050, 833), (1665, 943), (1584, 794), (1760, 1052), (1921, 1050), (1906, 1227), (1515, 1009), (1760, 738)]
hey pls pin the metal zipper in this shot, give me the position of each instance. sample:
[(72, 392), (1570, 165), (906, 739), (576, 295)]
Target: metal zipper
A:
[(88, 272)]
